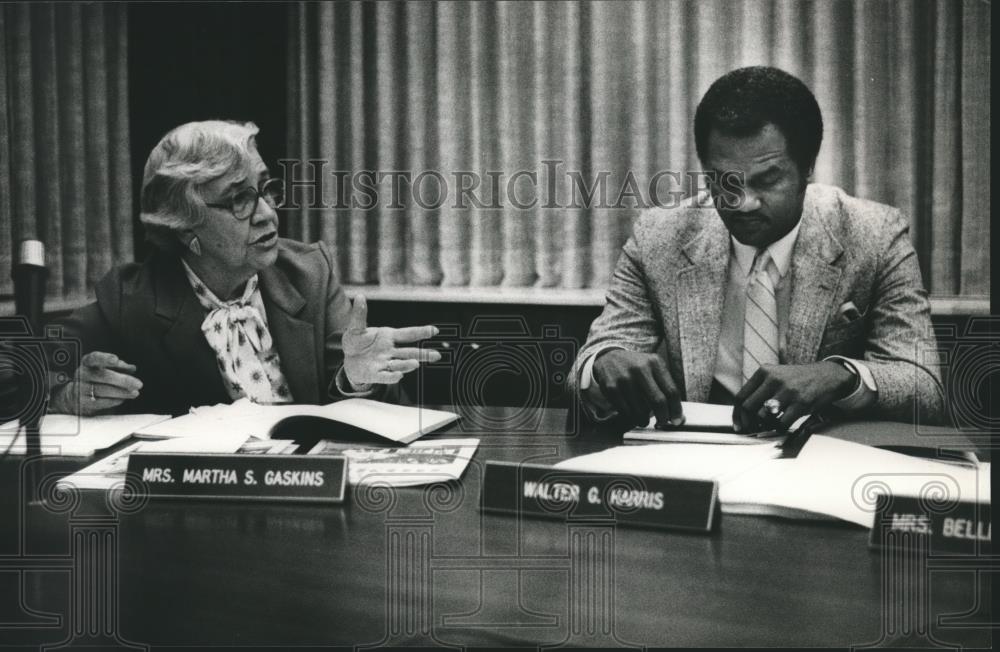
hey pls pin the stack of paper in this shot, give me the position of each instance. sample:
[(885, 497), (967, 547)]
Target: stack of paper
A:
[(704, 423), (395, 423), (830, 478), (75, 436), (266, 447), (836, 478), (109, 472), (684, 461)]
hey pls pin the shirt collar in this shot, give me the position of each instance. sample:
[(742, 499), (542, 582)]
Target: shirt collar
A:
[(208, 299), (780, 250)]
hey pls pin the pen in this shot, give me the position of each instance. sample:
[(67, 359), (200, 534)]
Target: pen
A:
[(793, 444)]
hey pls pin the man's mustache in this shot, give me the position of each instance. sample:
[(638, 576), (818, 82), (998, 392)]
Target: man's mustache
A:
[(732, 214)]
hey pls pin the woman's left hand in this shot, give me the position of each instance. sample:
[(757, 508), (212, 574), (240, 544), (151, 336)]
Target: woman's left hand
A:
[(101, 382), (371, 354)]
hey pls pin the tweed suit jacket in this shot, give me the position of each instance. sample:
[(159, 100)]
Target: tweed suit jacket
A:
[(668, 290), (147, 314)]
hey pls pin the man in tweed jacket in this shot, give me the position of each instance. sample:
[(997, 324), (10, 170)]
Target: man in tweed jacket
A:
[(853, 320)]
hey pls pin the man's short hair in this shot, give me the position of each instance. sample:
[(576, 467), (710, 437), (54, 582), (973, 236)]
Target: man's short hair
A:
[(186, 158), (742, 101)]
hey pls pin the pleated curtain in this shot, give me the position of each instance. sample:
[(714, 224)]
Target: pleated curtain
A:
[(611, 87), (65, 174)]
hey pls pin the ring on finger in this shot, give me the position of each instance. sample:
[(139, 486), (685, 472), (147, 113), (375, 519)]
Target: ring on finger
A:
[(773, 407), (92, 397)]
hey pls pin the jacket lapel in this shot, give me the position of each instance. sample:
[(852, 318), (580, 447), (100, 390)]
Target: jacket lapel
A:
[(700, 296), (293, 337), (184, 343), (815, 280)]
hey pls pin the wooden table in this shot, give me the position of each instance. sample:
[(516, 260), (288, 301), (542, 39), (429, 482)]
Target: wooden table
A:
[(426, 566)]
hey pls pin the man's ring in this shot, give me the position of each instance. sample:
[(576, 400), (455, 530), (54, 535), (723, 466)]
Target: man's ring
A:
[(773, 406), (92, 397), (388, 367)]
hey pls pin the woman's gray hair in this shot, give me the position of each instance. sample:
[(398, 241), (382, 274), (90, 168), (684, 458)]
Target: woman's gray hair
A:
[(185, 159)]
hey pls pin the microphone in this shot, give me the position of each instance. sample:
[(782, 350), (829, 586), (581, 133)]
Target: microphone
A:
[(30, 275)]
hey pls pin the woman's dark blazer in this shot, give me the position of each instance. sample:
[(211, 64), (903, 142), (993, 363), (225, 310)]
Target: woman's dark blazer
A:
[(147, 315)]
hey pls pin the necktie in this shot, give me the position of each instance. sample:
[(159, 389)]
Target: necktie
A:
[(760, 327), (236, 332)]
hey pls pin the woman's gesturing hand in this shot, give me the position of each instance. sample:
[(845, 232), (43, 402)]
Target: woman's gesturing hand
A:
[(371, 354)]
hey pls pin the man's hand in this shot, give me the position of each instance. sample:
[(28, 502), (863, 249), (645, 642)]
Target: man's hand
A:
[(371, 355), (101, 382), (636, 384), (801, 389)]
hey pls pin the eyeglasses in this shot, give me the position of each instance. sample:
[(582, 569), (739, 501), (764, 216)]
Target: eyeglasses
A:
[(243, 204)]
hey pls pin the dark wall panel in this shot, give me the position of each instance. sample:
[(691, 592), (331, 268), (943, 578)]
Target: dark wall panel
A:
[(511, 355)]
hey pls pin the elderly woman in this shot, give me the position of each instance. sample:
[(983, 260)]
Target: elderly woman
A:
[(224, 308)]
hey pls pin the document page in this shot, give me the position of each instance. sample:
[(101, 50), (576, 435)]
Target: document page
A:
[(395, 422), (75, 436), (830, 478), (704, 423), (838, 478), (706, 415), (685, 461), (682, 436), (243, 416), (109, 472)]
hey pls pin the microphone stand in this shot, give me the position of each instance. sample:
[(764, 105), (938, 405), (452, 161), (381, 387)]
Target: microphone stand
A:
[(29, 276)]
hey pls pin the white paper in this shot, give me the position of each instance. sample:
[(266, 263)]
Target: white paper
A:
[(243, 416), (395, 422), (75, 436), (838, 478), (718, 419), (829, 478), (229, 442), (700, 437), (109, 472), (686, 461), (105, 473), (706, 415)]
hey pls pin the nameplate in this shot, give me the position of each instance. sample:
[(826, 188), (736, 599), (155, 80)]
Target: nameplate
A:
[(294, 478), (961, 528), (562, 494)]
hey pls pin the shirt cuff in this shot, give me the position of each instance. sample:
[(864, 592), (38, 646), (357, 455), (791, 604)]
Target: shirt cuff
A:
[(590, 390), (346, 388), (865, 390)]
